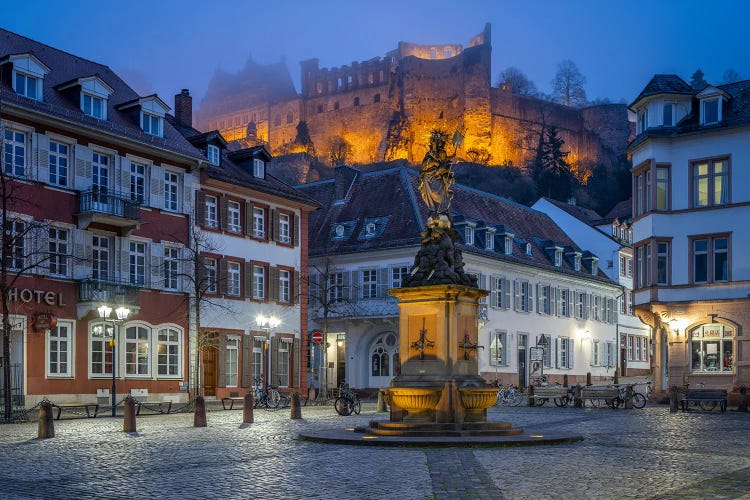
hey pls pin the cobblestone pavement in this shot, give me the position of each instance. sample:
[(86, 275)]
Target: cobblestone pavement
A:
[(627, 454)]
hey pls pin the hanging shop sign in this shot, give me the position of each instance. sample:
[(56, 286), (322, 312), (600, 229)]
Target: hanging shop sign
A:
[(29, 295), (44, 321)]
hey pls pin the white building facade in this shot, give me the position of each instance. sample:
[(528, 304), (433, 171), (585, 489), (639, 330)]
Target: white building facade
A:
[(690, 202)]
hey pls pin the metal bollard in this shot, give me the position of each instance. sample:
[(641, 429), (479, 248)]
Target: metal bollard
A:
[(46, 423), (296, 411), (247, 409), (199, 418), (629, 397), (565, 380), (128, 423), (531, 396), (577, 400), (742, 401), (588, 379), (381, 403), (673, 399)]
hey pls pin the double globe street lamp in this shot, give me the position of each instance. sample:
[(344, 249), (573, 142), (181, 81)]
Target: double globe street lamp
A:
[(266, 323), (121, 315)]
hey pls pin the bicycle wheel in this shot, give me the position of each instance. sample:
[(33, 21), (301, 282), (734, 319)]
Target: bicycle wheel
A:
[(357, 406), (273, 399), (515, 398), (594, 402), (707, 405), (561, 402), (639, 400), (540, 402), (343, 406)]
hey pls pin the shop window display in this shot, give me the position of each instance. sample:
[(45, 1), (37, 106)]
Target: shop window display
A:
[(712, 349)]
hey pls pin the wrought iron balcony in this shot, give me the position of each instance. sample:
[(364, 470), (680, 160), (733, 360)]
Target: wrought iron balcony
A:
[(118, 210), (114, 292)]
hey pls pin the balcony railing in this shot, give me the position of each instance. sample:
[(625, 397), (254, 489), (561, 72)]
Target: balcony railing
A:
[(115, 292), (117, 205)]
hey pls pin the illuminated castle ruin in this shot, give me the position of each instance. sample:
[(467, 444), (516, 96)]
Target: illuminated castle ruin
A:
[(384, 108)]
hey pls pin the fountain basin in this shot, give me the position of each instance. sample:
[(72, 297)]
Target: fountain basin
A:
[(414, 400)]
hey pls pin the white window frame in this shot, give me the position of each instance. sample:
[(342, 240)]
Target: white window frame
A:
[(137, 263), (106, 329), (212, 153), (259, 168), (175, 345), (285, 285), (18, 257), (558, 258), (508, 247), (88, 105), (171, 268), (171, 191), (369, 283), (231, 361), (152, 124), (498, 351), (211, 275), (58, 249), (335, 287), (54, 350), (489, 240), (259, 283), (285, 346), (14, 143), (285, 225), (259, 222), (211, 217), (397, 275), (28, 80), (469, 234), (59, 154), (137, 182), (703, 104), (234, 224), (141, 346), (233, 278)]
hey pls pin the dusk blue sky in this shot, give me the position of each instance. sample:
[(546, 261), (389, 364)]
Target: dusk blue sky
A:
[(163, 46)]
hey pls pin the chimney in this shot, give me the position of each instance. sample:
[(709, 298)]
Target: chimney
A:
[(183, 108), (344, 177)]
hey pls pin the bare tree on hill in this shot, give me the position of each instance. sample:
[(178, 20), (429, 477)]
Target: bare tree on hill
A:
[(567, 86)]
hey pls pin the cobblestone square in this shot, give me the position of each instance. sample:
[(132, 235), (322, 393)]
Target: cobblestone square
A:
[(626, 454)]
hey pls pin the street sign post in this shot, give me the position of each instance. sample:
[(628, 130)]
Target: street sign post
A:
[(317, 336)]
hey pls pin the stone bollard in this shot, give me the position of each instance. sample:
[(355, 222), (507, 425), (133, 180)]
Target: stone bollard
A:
[(199, 419), (629, 397), (617, 377), (565, 380), (46, 424), (128, 423), (588, 379), (742, 401), (296, 411), (381, 403), (531, 396), (247, 409), (577, 400), (673, 399)]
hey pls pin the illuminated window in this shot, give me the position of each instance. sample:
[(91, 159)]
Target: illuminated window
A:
[(712, 349)]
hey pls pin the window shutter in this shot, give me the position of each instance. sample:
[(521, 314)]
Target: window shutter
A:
[(295, 360), (157, 186), (557, 352), (190, 274), (274, 232), (123, 271), (383, 282), (83, 158), (249, 279), (571, 350), (274, 380), (221, 361), (295, 291), (200, 208), (529, 299), (273, 286), (223, 276), (249, 218), (553, 301), (295, 231), (42, 157), (223, 213), (123, 184), (347, 292), (247, 356), (516, 295), (538, 295), (494, 281), (506, 293), (157, 265), (592, 357)]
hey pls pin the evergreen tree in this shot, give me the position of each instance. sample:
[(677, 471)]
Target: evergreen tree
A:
[(552, 172), (697, 81)]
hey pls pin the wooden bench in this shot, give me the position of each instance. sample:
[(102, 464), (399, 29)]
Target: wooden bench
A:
[(231, 401), (543, 394), (161, 407), (704, 398), (610, 395), (87, 407)]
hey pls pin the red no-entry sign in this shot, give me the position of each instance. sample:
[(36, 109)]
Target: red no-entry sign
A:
[(317, 336)]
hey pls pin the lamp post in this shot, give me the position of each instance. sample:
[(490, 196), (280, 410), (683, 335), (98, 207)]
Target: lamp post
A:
[(266, 323), (121, 314)]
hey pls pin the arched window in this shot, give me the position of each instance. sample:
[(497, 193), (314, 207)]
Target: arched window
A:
[(384, 356), (137, 352), (712, 348)]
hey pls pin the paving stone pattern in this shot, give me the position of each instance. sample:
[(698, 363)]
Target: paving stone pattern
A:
[(626, 454)]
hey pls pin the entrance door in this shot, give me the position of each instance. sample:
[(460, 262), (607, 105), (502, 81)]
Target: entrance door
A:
[(522, 380), (209, 371), (623, 361), (15, 384)]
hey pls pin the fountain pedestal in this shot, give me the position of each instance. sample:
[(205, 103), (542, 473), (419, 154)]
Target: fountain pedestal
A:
[(438, 348)]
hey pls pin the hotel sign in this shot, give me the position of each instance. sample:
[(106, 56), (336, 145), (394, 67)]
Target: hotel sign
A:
[(30, 295)]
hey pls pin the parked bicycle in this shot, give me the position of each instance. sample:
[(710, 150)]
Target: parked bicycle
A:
[(508, 396), (638, 399), (347, 402), (267, 397), (703, 405)]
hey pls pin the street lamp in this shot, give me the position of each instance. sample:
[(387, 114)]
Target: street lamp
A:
[(266, 323), (121, 314)]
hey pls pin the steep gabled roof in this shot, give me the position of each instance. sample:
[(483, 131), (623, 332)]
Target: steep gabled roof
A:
[(665, 84), (64, 68)]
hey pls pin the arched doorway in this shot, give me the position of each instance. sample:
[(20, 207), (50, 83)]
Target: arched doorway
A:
[(384, 360)]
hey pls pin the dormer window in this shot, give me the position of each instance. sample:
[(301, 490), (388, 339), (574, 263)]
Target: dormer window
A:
[(370, 229), (489, 243), (508, 245), (93, 92), (213, 154), (577, 262), (594, 266), (469, 240), (710, 111), (528, 249), (259, 168), (151, 124), (93, 106), (150, 112), (339, 231), (558, 257), (28, 75), (614, 229)]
